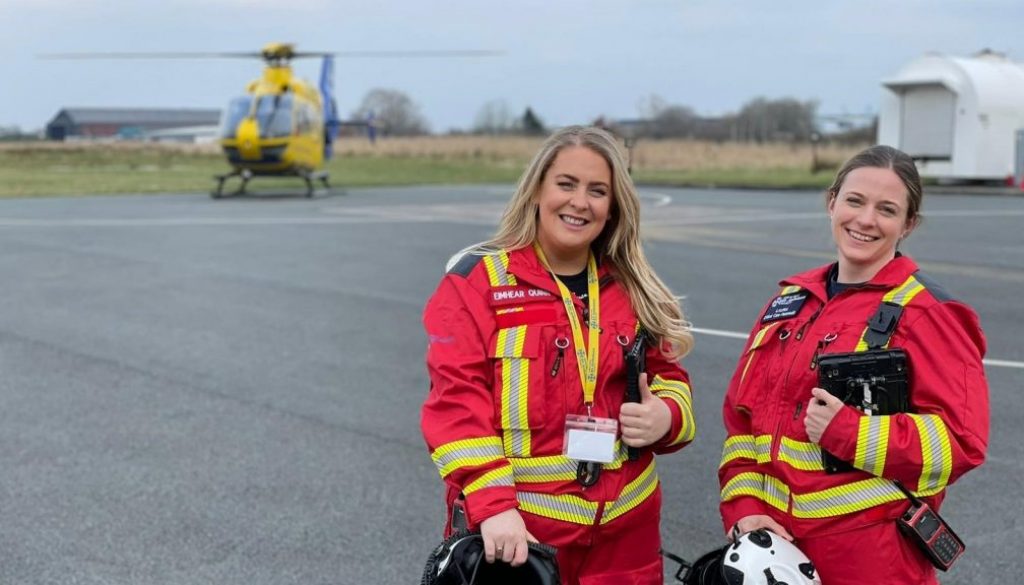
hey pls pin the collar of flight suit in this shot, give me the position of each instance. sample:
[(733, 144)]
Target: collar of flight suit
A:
[(525, 265), (893, 274)]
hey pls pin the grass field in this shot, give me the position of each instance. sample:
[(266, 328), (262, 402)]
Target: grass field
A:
[(43, 169)]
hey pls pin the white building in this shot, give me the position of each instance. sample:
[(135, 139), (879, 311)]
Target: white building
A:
[(957, 116)]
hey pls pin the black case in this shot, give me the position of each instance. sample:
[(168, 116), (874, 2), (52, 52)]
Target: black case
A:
[(844, 375)]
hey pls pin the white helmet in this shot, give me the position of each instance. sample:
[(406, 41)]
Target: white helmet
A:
[(764, 558)]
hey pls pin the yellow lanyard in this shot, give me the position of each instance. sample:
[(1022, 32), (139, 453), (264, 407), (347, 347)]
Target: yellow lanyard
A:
[(586, 356)]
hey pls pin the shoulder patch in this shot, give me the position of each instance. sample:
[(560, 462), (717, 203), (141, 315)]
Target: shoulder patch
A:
[(933, 287), (464, 265)]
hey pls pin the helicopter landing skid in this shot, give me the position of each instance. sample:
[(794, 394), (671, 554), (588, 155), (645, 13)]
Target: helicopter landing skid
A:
[(218, 191), (309, 177)]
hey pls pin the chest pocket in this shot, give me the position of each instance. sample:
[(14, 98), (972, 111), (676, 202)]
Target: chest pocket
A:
[(519, 404), (763, 363)]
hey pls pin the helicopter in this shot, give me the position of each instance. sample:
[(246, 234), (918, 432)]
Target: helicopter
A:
[(282, 125)]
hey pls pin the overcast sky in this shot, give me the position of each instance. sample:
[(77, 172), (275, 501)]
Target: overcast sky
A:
[(571, 60)]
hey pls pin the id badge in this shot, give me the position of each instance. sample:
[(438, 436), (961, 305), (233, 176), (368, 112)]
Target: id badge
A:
[(590, 438)]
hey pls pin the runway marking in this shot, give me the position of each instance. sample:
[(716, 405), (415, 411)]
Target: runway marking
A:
[(738, 335)]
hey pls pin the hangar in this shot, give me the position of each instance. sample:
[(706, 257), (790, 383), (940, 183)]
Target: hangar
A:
[(957, 116), (135, 123)]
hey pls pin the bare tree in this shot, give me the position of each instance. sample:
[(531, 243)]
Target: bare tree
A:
[(393, 111), (493, 118), (786, 119)]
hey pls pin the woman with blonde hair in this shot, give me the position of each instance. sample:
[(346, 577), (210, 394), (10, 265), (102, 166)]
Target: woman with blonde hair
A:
[(527, 418)]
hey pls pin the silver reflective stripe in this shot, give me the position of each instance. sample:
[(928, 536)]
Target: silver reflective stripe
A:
[(471, 453), (763, 447), (936, 454), (501, 477), (635, 493), (543, 469), (763, 487), (872, 444), (909, 288), (497, 264), (566, 508), (736, 447), (845, 499), (800, 455)]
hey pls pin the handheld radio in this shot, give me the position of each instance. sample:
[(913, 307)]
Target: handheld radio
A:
[(636, 363), (930, 532)]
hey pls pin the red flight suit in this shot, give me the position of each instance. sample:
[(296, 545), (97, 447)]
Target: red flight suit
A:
[(844, 522), (501, 388)]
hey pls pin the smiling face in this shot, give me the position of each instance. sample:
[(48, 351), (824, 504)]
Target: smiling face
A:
[(574, 203), (868, 217)]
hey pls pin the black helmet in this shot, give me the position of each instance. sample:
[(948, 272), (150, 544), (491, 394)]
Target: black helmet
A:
[(756, 558), (459, 560)]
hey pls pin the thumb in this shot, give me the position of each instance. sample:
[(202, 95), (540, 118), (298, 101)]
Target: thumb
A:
[(530, 537), (645, 389), (823, 395)]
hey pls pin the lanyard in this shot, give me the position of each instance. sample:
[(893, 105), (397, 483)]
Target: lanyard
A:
[(586, 355)]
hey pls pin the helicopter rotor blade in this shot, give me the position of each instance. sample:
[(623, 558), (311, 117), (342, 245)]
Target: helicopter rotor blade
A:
[(261, 55), (396, 54), (160, 55)]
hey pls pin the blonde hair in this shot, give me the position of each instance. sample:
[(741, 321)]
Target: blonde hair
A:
[(619, 243)]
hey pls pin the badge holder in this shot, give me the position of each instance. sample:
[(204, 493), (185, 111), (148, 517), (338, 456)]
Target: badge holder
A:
[(591, 441)]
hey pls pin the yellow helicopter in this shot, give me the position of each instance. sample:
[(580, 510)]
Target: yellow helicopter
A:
[(283, 125)]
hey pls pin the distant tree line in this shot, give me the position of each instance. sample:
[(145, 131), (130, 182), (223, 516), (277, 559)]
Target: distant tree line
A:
[(759, 120)]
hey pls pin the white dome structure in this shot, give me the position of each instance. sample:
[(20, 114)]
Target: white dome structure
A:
[(957, 116)]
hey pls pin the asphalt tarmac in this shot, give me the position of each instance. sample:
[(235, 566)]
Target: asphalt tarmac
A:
[(227, 392)]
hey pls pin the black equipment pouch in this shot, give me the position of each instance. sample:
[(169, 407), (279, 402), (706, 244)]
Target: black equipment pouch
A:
[(926, 529), (636, 364), (874, 382)]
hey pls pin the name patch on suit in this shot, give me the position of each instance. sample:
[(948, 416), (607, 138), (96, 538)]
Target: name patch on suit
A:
[(784, 306), (516, 295)]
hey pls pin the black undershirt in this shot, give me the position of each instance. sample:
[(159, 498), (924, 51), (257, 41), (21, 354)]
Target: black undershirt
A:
[(576, 283), (832, 284)]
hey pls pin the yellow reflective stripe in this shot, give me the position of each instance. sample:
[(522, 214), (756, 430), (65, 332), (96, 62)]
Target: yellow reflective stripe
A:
[(763, 448), (872, 444), (567, 508), (800, 455), (738, 447), (497, 270), (936, 454), (510, 342), (845, 499), (678, 386), (512, 310), (543, 469), (515, 380), (467, 453), (688, 427), (763, 487), (904, 293), (758, 338), (788, 290), (500, 477), (901, 295), (679, 392), (557, 467), (635, 493)]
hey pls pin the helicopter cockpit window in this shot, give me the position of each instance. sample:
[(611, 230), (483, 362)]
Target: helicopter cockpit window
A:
[(274, 114), (236, 110)]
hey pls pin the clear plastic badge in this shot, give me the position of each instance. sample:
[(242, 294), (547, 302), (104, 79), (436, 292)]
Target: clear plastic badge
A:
[(590, 438)]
